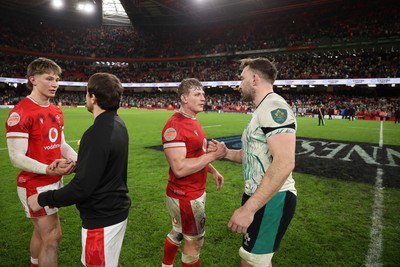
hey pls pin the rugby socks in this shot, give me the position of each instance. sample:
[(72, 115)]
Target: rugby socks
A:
[(192, 264), (34, 262), (170, 250)]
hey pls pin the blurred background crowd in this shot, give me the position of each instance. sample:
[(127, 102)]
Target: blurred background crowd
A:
[(360, 40)]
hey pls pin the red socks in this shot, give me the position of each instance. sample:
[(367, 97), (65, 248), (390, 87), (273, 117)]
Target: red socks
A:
[(170, 250), (34, 262)]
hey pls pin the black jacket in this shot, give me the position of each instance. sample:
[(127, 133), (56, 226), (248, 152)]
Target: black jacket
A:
[(99, 188)]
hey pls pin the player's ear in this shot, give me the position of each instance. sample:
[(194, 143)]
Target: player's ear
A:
[(93, 99), (256, 79), (32, 79), (184, 99)]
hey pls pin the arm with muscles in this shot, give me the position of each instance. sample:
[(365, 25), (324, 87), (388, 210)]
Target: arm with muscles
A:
[(218, 178), (90, 169), (282, 147), (182, 166), (17, 148)]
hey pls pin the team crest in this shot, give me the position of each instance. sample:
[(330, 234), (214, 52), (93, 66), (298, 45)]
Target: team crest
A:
[(279, 115)]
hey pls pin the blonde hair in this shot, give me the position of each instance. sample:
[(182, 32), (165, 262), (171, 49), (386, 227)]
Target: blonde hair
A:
[(40, 66)]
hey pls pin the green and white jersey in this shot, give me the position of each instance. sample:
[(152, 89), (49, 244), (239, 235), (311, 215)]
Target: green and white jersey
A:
[(272, 116)]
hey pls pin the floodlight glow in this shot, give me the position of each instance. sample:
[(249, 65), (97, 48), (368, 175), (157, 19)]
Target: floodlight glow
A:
[(58, 4), (86, 7), (80, 6)]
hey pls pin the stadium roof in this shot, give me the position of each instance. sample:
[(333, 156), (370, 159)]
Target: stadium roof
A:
[(167, 12)]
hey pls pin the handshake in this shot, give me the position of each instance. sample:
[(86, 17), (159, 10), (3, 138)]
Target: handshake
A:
[(219, 148), (56, 168), (61, 167)]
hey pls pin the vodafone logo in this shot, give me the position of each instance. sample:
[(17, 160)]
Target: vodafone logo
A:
[(53, 134), (205, 145)]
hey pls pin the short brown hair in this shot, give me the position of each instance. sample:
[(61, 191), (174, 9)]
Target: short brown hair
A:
[(40, 66), (107, 88), (265, 68)]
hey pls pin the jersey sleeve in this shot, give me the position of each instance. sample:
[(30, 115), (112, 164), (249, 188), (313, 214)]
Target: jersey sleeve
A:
[(172, 135), (277, 117), (18, 124)]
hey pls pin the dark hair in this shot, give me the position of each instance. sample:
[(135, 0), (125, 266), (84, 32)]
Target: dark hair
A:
[(107, 88), (187, 84), (42, 65), (265, 68)]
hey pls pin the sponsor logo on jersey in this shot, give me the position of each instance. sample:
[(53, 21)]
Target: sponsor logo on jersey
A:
[(13, 119), (205, 145), (279, 115), (53, 135), (54, 146), (170, 134)]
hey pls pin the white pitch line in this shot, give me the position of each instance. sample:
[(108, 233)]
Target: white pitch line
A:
[(212, 126), (375, 247)]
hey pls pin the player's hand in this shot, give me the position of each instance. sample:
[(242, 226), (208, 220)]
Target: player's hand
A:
[(218, 179), (219, 148), (212, 146), (60, 167), (241, 220), (33, 203)]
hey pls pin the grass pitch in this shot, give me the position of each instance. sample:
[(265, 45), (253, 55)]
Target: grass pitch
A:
[(331, 227)]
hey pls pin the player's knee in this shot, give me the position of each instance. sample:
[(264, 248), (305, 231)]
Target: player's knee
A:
[(256, 260), (53, 238), (175, 237), (190, 259), (192, 247)]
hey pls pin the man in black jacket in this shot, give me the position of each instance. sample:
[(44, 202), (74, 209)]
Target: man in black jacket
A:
[(321, 115), (99, 188)]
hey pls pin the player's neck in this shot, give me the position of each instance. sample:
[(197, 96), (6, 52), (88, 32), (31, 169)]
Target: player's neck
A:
[(40, 100), (97, 111), (182, 111)]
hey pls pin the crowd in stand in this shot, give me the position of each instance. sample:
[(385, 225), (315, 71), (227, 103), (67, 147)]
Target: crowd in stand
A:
[(364, 35), (359, 40), (353, 21), (380, 62), (228, 100)]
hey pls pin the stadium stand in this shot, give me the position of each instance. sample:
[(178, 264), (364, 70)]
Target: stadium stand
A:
[(360, 41)]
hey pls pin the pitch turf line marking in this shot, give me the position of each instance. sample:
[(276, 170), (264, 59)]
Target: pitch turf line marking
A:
[(375, 246)]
